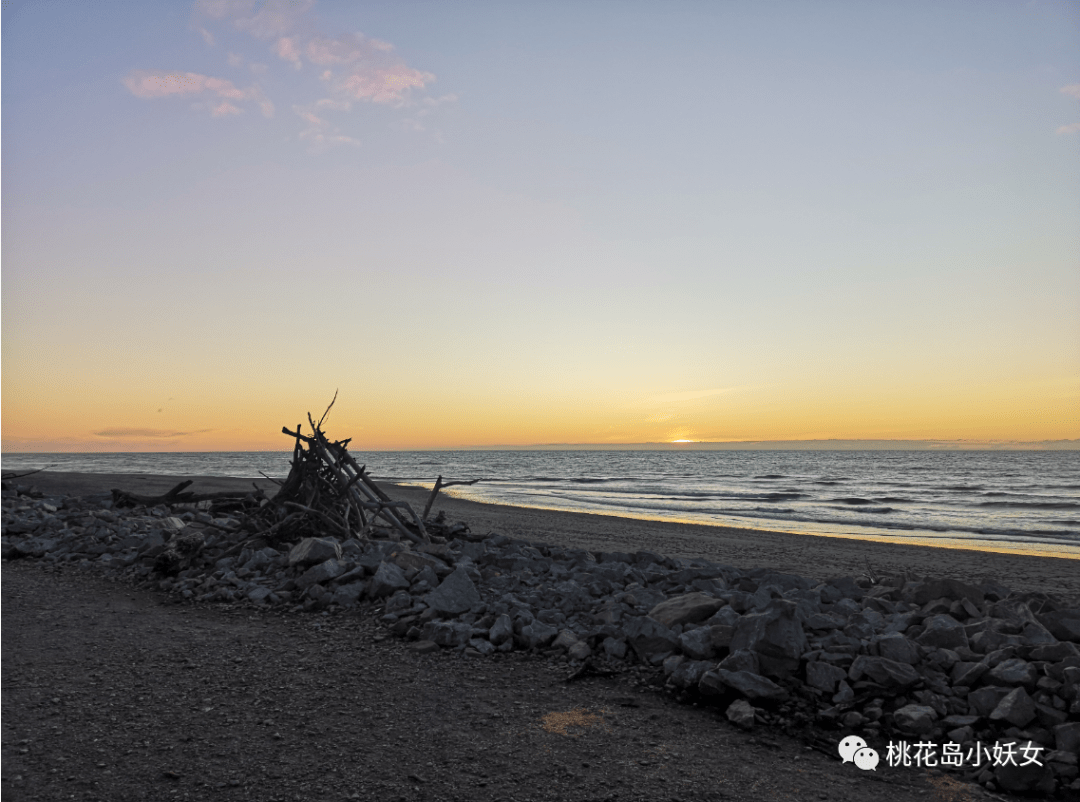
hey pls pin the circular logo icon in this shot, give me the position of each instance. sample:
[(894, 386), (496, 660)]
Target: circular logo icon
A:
[(866, 759), (849, 746)]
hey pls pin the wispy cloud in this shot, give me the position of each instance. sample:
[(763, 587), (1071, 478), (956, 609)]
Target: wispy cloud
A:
[(1071, 128), (125, 431), (150, 85)]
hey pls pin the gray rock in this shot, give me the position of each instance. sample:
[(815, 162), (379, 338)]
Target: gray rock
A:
[(883, 671), (690, 608), (894, 646), (447, 633), (915, 719), (615, 648), (1062, 624), (741, 660), (1013, 671), (314, 550), (982, 701), (943, 632), (741, 714), (1016, 707), (776, 634), (502, 630), (537, 634), (689, 673), (650, 639), (455, 595), (579, 651), (967, 674), (921, 593), (1067, 737), (565, 639), (697, 643), (752, 686), (348, 595), (388, 578), (259, 595), (318, 574), (824, 676)]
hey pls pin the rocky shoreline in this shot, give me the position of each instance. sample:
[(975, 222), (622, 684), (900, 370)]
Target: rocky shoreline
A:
[(901, 657)]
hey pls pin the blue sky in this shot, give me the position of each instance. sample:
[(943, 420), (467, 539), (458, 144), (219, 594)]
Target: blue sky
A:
[(556, 222)]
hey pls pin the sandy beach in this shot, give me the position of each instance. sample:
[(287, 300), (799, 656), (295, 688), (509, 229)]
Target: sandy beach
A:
[(813, 556)]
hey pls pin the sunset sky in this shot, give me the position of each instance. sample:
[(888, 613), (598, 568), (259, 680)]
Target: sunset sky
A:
[(491, 223)]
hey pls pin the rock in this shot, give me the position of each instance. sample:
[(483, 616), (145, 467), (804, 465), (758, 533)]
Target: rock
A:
[(388, 578), (1013, 671), (894, 646), (615, 648), (314, 550), (776, 634), (697, 643), (447, 633), (455, 595), (1067, 737), (1014, 775), (915, 719), (741, 714), (537, 634), (1016, 707), (650, 640), (943, 632), (824, 676), (752, 686), (348, 595), (502, 630), (690, 608), (967, 674), (424, 646), (579, 651), (318, 574), (564, 640), (921, 593), (1062, 624), (741, 660), (983, 701), (883, 671), (259, 595), (689, 673)]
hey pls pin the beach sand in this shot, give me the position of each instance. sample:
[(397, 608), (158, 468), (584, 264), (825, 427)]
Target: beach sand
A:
[(812, 556)]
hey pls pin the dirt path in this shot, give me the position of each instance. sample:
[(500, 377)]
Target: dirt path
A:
[(111, 693)]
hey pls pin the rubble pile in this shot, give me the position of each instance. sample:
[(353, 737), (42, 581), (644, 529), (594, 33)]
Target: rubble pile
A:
[(920, 659)]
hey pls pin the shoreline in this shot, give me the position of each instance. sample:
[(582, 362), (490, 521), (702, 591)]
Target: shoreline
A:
[(813, 556)]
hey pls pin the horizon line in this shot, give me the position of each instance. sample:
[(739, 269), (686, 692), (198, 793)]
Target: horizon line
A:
[(842, 444)]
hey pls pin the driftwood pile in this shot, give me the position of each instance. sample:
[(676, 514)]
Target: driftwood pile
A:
[(325, 493)]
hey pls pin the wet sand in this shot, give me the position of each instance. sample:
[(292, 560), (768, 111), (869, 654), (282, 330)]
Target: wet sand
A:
[(813, 556)]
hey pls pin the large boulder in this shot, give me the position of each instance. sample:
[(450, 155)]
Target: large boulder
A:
[(455, 595), (690, 608), (824, 676), (752, 686), (915, 719), (1023, 767), (1063, 624), (922, 592), (776, 634), (314, 550)]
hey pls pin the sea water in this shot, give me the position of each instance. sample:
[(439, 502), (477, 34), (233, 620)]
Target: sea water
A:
[(1027, 501)]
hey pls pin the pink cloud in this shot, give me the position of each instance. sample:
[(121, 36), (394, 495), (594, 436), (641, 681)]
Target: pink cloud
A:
[(151, 85), (145, 84), (1071, 128), (266, 21), (320, 133), (1072, 89), (383, 85), (287, 49)]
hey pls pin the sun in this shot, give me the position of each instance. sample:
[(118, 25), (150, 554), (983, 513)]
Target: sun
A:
[(682, 441)]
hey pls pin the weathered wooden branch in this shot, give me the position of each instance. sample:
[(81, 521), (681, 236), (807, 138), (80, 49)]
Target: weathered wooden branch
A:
[(122, 498), (439, 485), (12, 475)]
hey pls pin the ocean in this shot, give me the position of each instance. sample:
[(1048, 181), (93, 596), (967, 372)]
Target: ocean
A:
[(1023, 501)]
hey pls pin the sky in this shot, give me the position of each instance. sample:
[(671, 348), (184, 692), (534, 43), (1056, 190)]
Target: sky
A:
[(500, 223)]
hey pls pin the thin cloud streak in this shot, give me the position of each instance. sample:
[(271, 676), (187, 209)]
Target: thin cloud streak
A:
[(124, 431)]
